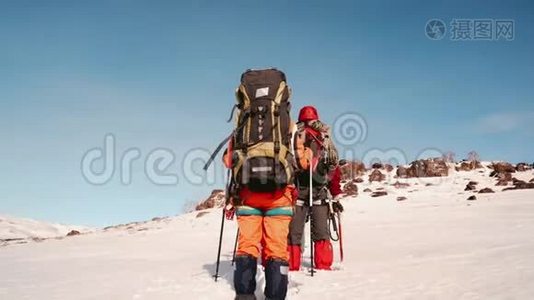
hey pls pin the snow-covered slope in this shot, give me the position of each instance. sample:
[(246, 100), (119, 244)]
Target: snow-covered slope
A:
[(434, 245), (20, 229)]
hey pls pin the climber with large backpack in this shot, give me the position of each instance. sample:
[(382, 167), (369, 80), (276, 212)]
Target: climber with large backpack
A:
[(317, 180), (261, 190)]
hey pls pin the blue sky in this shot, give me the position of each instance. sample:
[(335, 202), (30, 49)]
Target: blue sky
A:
[(161, 74)]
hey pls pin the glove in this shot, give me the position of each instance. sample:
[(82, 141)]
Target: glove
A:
[(317, 125), (338, 208), (336, 205), (229, 211)]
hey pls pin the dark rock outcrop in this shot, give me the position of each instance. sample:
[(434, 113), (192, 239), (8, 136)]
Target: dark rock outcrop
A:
[(503, 172), (352, 169), (470, 187), (502, 178), (432, 167), (379, 193), (216, 199), (506, 176), (73, 233), (376, 175), (485, 191), (473, 197), (501, 183), (516, 181), (521, 185), (350, 189), (502, 167), (402, 172), (524, 185), (377, 166), (468, 165), (522, 167)]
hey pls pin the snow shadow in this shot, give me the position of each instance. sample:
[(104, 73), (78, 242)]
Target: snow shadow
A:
[(226, 270), (226, 274)]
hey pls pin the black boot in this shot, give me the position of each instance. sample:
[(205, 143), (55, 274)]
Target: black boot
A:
[(245, 297), (245, 277), (276, 279)]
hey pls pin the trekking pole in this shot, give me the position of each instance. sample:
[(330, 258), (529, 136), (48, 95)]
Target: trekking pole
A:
[(216, 276), (340, 235), (310, 212), (220, 244), (235, 246), (334, 221)]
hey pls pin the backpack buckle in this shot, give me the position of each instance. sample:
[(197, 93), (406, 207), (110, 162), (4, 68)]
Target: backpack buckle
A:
[(276, 111), (276, 146)]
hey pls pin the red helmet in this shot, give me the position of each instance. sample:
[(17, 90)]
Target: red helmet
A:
[(308, 113)]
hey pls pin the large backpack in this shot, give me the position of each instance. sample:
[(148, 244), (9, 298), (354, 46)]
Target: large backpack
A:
[(322, 149), (262, 159)]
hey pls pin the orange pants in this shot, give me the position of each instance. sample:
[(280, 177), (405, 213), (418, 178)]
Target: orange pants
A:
[(267, 231), (270, 232)]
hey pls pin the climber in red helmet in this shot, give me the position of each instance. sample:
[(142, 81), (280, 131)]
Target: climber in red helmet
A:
[(312, 140)]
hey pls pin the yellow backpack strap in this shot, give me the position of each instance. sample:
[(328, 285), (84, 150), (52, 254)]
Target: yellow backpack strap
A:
[(277, 131), (280, 92), (241, 90), (275, 114), (242, 97)]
